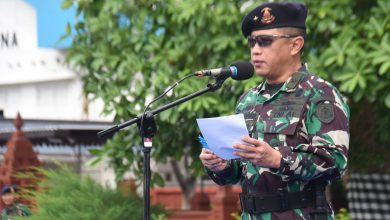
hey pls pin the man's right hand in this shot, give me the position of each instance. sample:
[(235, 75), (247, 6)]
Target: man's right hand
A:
[(212, 161)]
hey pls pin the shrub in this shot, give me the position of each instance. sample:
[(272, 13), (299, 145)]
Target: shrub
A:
[(66, 195)]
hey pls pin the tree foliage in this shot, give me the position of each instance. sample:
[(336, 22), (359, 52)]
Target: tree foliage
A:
[(130, 51), (133, 50), (349, 41)]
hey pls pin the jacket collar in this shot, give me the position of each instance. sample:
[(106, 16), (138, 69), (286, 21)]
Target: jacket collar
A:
[(290, 84)]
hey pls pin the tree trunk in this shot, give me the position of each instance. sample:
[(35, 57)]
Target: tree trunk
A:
[(187, 181)]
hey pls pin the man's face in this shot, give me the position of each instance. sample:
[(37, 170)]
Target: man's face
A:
[(270, 58), (9, 198)]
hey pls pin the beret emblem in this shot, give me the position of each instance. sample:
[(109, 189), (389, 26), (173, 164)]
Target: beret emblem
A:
[(267, 16), (272, 14)]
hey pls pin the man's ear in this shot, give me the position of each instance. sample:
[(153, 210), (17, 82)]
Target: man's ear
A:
[(297, 45)]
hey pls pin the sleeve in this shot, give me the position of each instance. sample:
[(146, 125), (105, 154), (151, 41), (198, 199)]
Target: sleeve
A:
[(4, 214), (230, 175), (26, 211), (326, 154)]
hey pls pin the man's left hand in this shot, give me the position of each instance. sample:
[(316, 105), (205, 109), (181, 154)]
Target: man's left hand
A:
[(258, 152)]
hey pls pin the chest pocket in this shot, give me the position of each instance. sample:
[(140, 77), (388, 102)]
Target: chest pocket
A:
[(282, 116)]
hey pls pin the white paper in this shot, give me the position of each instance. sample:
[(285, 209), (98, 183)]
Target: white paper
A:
[(222, 132)]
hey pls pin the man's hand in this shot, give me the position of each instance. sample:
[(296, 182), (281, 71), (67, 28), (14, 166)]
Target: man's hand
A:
[(258, 152), (212, 161)]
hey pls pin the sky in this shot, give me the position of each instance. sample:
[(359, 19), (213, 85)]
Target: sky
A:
[(51, 22)]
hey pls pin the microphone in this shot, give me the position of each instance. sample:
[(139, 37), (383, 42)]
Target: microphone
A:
[(240, 70)]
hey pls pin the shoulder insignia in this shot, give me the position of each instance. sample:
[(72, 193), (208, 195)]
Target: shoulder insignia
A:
[(325, 111)]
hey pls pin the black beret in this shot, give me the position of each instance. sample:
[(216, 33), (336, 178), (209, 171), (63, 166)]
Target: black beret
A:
[(275, 15)]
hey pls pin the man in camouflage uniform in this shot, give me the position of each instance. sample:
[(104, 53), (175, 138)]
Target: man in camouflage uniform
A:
[(9, 195), (299, 125)]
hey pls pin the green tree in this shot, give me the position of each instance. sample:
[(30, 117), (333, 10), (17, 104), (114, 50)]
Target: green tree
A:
[(130, 51)]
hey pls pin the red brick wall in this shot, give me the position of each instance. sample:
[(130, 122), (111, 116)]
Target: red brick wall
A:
[(223, 202)]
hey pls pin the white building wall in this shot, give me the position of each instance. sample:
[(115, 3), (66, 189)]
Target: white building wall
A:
[(37, 83), (33, 81), (18, 19)]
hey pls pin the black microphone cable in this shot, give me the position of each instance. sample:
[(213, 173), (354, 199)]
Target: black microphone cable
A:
[(164, 93)]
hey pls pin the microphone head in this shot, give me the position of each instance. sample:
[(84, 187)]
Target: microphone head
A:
[(244, 70)]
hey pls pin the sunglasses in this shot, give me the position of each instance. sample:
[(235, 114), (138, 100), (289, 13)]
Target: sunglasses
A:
[(265, 40)]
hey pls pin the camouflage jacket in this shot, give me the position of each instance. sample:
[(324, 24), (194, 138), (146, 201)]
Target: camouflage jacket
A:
[(307, 120), (17, 209)]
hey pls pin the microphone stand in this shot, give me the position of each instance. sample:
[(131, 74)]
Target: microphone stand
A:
[(148, 129)]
